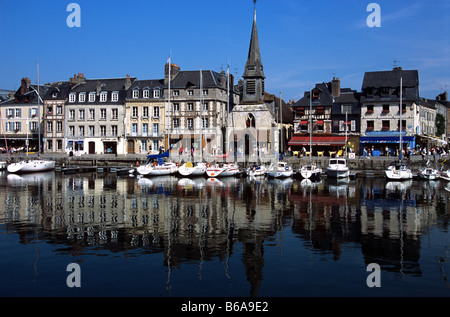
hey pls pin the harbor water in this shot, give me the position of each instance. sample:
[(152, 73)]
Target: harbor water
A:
[(235, 237)]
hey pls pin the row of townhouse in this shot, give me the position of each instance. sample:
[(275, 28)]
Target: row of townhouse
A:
[(371, 118), (127, 115), (121, 115)]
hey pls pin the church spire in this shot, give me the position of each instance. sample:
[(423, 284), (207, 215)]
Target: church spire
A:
[(253, 73)]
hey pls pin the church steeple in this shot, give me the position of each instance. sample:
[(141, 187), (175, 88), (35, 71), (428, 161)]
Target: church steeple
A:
[(253, 73)]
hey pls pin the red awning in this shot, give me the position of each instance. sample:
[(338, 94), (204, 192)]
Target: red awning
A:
[(303, 122), (319, 121), (318, 140)]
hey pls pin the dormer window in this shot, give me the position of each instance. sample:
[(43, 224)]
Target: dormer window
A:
[(54, 94), (146, 93), (91, 96), (315, 94), (103, 96), (72, 97), (156, 93), (115, 96), (136, 93), (82, 97)]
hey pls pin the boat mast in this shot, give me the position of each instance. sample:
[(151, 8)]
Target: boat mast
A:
[(401, 123), (202, 118), (168, 101), (310, 125), (39, 115), (346, 126)]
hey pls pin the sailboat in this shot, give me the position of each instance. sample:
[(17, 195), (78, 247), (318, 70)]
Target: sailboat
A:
[(429, 173), (158, 167), (227, 168), (399, 170), (311, 170), (32, 165), (337, 167)]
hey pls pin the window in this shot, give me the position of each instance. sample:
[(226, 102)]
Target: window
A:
[(369, 92), (156, 93), (114, 130), (49, 145), (190, 123), (145, 112), (59, 126), (205, 92), (346, 109), (17, 126), (49, 126), (370, 125), (144, 145), (145, 129), (18, 113), (134, 112), (135, 93), (33, 126), (114, 96), (81, 130), (176, 92), (155, 112), (385, 109), (59, 110), (103, 114), (205, 106), (386, 125), (59, 144), (72, 115), (369, 109), (134, 129), (103, 130), (103, 96), (81, 114), (114, 114), (155, 129), (10, 113), (176, 107), (91, 114), (72, 97), (91, 130), (190, 92), (91, 96), (33, 112), (71, 130), (205, 123), (82, 97), (384, 90), (176, 123), (403, 125), (190, 106)]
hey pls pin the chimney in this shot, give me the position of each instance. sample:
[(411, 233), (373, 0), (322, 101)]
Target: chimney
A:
[(99, 87), (174, 70), (223, 79), (77, 79), (127, 82), (24, 85), (11, 95), (335, 87)]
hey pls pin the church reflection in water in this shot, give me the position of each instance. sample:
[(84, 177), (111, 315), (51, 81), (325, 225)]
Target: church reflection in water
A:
[(203, 219)]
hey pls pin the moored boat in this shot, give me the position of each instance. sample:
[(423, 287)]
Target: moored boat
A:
[(337, 168), (398, 171), (280, 170), (222, 170), (190, 169), (31, 166)]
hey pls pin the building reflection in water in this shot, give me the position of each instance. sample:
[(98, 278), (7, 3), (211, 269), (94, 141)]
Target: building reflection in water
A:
[(197, 220)]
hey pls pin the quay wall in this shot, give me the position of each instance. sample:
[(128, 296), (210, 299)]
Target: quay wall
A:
[(363, 167)]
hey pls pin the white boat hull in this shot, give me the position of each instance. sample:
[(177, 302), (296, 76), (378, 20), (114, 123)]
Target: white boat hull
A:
[(398, 172), (158, 170), (280, 170), (429, 174), (338, 168), (31, 166), (223, 171), (196, 170), (309, 172), (257, 171)]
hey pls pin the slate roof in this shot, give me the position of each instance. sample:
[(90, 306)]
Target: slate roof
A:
[(58, 90), (108, 85), (191, 78), (390, 79), (30, 97), (325, 97), (272, 102), (149, 84)]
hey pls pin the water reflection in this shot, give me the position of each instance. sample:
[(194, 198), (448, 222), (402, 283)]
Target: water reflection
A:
[(200, 220)]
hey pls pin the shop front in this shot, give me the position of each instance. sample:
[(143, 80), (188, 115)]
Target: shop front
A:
[(386, 144), (321, 145)]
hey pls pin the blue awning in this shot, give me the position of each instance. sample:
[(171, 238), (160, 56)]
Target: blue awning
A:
[(386, 139)]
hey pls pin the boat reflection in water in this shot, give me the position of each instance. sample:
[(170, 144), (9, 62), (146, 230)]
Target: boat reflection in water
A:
[(224, 237)]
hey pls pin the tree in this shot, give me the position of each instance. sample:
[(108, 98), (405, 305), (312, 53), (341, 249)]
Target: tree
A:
[(440, 124)]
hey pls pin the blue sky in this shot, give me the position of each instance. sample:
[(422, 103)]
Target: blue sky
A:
[(302, 42)]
